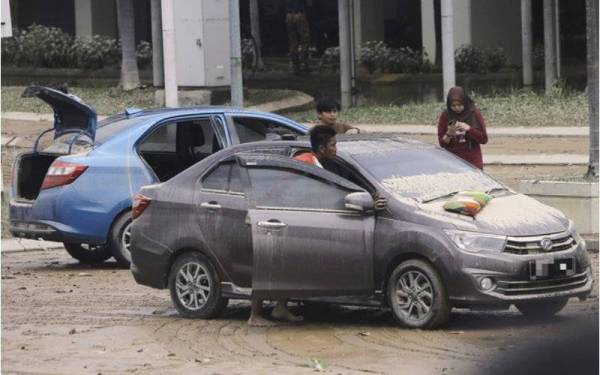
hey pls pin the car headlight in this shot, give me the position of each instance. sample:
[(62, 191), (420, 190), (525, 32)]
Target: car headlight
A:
[(475, 242)]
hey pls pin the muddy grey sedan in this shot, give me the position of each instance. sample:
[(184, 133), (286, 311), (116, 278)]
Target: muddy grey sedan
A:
[(252, 219)]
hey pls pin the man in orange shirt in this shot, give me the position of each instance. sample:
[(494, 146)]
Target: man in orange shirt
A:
[(324, 148)]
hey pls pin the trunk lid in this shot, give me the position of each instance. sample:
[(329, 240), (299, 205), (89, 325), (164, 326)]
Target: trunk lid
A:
[(71, 114)]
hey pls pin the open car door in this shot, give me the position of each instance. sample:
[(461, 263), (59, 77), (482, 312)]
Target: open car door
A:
[(306, 243)]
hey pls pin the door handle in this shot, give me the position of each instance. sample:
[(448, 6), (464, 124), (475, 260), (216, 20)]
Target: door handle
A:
[(210, 205), (272, 224)]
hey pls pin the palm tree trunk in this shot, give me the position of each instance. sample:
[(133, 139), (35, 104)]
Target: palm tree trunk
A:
[(157, 44), (130, 77), (549, 45), (255, 30), (591, 11)]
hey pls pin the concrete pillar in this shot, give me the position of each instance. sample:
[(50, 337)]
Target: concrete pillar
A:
[(168, 36), (157, 48), (448, 70), (428, 29), (549, 45), (83, 18), (345, 53), (235, 41), (527, 42), (557, 35)]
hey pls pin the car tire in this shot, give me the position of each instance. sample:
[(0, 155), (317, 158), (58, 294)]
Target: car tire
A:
[(417, 295), (200, 297), (542, 309), (120, 239), (87, 254)]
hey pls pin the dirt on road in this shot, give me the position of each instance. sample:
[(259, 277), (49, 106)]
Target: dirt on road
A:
[(59, 317)]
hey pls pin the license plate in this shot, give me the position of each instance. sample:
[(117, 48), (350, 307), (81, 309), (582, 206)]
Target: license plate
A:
[(551, 268)]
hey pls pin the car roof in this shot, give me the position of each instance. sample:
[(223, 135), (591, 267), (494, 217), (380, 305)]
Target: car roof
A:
[(349, 144), (182, 111)]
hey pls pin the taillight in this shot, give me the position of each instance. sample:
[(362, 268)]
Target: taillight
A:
[(62, 173), (140, 202)]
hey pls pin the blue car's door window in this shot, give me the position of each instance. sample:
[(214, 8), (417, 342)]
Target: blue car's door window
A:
[(251, 129)]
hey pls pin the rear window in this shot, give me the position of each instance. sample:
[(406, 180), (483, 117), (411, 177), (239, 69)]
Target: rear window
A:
[(111, 126), (61, 144)]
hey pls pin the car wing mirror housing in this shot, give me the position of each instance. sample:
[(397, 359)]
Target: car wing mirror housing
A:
[(359, 201)]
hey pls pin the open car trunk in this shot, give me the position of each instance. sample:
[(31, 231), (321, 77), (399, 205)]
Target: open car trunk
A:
[(30, 170), (73, 131)]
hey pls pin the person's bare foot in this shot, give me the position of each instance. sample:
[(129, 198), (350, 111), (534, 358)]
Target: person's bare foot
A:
[(282, 313), (259, 321)]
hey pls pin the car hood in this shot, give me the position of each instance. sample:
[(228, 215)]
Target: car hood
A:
[(512, 215), (71, 114)]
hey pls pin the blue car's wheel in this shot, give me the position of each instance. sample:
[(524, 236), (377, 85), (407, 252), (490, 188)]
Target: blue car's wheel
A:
[(120, 239), (88, 254)]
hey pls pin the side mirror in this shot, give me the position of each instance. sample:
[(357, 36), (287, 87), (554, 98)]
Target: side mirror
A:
[(360, 201)]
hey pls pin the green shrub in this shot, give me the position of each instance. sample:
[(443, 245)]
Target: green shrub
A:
[(49, 47), (95, 52), (42, 46), (373, 55), (471, 59), (10, 48), (407, 60), (495, 58), (144, 54), (376, 55), (330, 58)]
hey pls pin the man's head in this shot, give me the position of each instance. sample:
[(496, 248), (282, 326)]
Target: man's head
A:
[(323, 142), (327, 109)]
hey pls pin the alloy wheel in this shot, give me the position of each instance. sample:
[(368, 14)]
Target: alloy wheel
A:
[(193, 285), (414, 295)]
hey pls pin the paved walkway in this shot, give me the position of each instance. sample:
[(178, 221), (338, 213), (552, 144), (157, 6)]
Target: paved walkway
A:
[(13, 245), (549, 131)]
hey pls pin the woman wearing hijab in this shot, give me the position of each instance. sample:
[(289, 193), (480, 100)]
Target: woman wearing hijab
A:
[(461, 127)]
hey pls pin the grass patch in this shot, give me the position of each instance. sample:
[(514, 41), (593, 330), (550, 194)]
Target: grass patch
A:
[(517, 108), (111, 100)]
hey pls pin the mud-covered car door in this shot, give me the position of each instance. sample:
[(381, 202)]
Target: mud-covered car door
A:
[(305, 242), (221, 208)]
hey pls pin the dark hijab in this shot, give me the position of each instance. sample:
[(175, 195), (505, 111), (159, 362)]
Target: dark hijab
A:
[(457, 94)]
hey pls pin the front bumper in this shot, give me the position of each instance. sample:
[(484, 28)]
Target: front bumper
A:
[(511, 281)]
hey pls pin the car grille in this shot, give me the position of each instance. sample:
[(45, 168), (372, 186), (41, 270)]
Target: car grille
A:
[(535, 245), (517, 288)]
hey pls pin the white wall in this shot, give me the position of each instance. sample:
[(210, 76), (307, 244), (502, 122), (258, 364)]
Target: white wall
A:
[(6, 20)]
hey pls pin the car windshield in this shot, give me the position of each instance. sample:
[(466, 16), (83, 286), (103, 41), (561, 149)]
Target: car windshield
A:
[(415, 170)]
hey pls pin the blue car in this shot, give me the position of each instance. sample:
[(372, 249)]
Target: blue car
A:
[(79, 189)]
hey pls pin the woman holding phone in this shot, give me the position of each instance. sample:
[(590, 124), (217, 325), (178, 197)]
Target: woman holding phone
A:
[(461, 127)]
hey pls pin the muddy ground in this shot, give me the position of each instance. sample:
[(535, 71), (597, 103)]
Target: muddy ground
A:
[(60, 317)]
